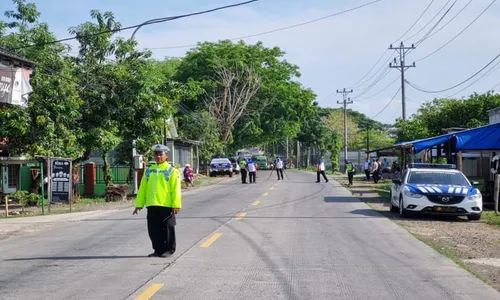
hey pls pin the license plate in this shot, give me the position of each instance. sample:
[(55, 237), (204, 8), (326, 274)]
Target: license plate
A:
[(444, 209)]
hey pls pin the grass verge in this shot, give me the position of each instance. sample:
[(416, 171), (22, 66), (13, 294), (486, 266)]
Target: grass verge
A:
[(491, 218), (377, 197), (449, 253)]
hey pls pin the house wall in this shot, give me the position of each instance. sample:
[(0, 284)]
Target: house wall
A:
[(494, 115)]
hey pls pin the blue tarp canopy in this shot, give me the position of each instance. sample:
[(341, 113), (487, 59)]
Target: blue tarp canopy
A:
[(423, 144), (481, 138)]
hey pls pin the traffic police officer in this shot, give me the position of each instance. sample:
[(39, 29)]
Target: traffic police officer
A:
[(160, 193), (243, 170)]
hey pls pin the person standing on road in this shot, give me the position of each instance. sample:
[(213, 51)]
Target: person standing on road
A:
[(160, 193), (321, 171), (375, 170), (278, 164), (367, 166), (252, 169), (243, 170), (350, 170)]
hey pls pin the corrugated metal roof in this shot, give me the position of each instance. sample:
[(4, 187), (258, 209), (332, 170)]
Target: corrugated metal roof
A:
[(12, 56)]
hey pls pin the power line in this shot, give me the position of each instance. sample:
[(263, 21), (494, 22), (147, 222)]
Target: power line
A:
[(373, 67), (278, 29), (462, 31), (437, 23), (387, 105), (492, 69), (456, 85), (387, 50), (344, 102), (415, 23), (402, 50), (396, 112), (451, 20), (154, 21), (430, 21), (382, 90), (379, 78)]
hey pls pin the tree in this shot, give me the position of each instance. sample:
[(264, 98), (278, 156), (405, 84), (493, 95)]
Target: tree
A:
[(279, 107), (442, 113), (47, 126), (125, 99), (229, 103), (335, 123), (409, 130), (202, 126)]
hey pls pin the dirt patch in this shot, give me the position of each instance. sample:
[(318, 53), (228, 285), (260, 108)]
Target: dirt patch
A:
[(473, 245)]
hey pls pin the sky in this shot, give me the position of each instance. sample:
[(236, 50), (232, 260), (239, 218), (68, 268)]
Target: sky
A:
[(332, 53)]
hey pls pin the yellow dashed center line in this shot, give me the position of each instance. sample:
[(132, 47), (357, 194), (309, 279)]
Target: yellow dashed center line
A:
[(265, 194), (241, 216), (257, 202), (150, 291), (211, 240)]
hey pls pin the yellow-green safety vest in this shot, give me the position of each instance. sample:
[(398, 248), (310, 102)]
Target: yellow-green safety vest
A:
[(160, 186)]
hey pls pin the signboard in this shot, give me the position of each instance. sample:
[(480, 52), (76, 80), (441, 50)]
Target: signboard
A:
[(60, 180), (14, 86), (6, 84)]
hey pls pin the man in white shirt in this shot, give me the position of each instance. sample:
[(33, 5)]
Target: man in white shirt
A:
[(367, 169), (278, 163), (252, 169), (321, 170)]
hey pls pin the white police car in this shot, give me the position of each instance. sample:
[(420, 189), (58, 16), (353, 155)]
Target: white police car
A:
[(435, 189)]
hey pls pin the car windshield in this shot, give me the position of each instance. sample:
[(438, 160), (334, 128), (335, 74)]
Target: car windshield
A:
[(436, 177)]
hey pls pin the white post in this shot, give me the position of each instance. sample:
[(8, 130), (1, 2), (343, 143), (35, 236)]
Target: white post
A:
[(496, 191)]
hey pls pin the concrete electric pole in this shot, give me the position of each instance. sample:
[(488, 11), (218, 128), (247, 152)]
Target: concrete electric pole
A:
[(402, 50), (344, 102)]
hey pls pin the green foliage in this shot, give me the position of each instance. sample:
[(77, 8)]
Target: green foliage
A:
[(201, 126), (27, 199), (111, 94), (433, 117), (442, 113), (47, 127), (281, 104)]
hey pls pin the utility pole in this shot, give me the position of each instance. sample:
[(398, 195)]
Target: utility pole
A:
[(286, 148), (345, 101), (367, 137), (402, 50)]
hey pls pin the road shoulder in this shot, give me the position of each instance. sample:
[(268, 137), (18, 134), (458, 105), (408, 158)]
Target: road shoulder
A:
[(475, 246)]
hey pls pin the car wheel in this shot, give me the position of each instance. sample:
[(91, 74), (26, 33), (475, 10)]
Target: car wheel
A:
[(393, 208), (403, 213), (475, 217)]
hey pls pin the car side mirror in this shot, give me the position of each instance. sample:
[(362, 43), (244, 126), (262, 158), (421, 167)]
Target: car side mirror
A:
[(397, 181), (475, 183)]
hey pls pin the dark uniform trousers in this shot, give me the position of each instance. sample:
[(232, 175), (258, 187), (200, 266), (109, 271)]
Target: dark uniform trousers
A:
[(280, 172), (243, 175), (161, 228)]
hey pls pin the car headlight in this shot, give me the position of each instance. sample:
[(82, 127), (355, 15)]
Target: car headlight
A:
[(412, 195), (474, 197)]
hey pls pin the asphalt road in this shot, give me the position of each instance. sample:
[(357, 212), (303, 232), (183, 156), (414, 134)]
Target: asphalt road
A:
[(291, 239)]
